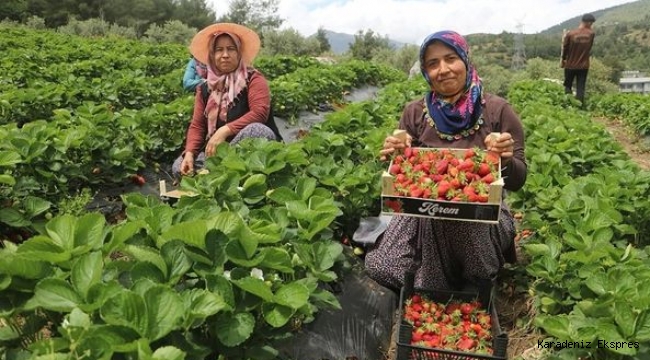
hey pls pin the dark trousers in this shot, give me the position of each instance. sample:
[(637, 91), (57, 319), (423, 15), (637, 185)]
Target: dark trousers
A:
[(580, 75)]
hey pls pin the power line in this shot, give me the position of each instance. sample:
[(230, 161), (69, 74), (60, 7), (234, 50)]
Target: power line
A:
[(519, 56)]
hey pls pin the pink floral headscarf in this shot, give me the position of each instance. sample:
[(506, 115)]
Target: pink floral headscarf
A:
[(224, 87)]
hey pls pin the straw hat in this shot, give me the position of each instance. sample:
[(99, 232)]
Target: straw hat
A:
[(250, 41)]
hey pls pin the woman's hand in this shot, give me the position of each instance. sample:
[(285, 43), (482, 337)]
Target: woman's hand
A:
[(187, 165), (219, 136), (393, 143), (502, 144)]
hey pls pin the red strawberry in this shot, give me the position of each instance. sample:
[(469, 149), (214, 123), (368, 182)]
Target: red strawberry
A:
[(483, 169), (488, 179), (138, 179)]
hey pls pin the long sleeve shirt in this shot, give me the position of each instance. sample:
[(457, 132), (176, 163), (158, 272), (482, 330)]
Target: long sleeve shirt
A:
[(259, 107), (576, 48), (192, 78)]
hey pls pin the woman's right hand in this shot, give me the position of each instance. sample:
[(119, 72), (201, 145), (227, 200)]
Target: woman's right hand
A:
[(391, 144), (187, 165)]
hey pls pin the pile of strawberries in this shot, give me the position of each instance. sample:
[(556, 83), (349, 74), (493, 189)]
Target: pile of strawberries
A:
[(444, 175), (456, 325)]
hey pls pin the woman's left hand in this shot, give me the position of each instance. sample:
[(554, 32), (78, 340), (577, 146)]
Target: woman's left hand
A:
[(502, 144), (219, 136)]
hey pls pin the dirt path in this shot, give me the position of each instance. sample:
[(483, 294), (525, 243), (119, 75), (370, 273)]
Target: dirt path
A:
[(632, 143)]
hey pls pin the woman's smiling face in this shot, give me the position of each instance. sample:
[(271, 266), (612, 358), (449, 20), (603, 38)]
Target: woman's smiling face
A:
[(446, 70)]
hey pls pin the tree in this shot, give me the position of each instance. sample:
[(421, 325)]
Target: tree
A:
[(13, 10), (289, 42), (321, 36), (259, 15), (194, 13), (366, 44)]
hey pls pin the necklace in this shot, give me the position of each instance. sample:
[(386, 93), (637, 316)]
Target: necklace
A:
[(451, 137)]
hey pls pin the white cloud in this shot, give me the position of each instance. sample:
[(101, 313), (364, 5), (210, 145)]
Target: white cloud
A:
[(412, 20)]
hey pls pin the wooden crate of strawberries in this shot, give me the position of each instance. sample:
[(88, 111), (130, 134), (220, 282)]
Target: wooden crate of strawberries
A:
[(448, 325), (455, 184)]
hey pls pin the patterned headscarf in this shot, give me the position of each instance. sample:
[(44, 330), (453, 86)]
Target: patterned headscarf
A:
[(452, 119), (224, 87)]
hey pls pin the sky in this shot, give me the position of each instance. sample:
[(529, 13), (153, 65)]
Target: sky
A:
[(410, 21)]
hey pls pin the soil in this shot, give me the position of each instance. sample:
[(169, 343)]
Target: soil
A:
[(637, 147)]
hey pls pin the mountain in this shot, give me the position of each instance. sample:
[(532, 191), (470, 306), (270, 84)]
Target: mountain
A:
[(622, 39), (630, 13), (340, 42)]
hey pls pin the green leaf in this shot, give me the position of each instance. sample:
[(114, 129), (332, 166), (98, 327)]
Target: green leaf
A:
[(9, 158), (603, 236), (228, 223), (200, 304), (168, 353), (54, 294), (191, 232), (556, 326), (255, 286), (5, 281), (254, 188), (42, 248), (13, 217), (164, 309), (282, 195), (178, 262), (326, 253), (35, 206), (22, 266), (642, 331), (276, 258), (7, 180), (147, 254), (293, 295), (598, 283), (325, 299), (277, 315), (610, 333), (537, 249), (237, 254), (61, 229), (122, 338), (126, 309), (262, 352), (86, 272), (305, 187), (625, 318), (90, 231), (234, 329), (122, 233), (265, 232)]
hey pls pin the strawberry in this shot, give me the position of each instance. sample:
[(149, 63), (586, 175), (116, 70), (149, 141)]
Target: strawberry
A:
[(488, 179), (138, 179), (395, 169), (443, 187), (483, 169)]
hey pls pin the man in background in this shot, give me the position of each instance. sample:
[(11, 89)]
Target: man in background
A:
[(576, 49)]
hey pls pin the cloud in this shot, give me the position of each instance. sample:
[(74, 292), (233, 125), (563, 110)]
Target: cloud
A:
[(411, 20)]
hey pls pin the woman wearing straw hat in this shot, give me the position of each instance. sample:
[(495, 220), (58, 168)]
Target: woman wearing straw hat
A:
[(239, 103)]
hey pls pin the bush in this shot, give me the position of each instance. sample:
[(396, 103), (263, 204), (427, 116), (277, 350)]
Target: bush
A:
[(35, 22), (87, 28), (173, 31)]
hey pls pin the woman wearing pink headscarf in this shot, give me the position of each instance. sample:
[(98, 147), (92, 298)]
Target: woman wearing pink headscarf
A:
[(239, 103)]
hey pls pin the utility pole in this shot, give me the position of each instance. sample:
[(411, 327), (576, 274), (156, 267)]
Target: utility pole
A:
[(519, 56)]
